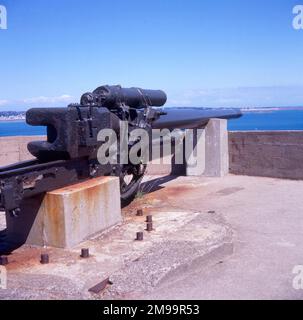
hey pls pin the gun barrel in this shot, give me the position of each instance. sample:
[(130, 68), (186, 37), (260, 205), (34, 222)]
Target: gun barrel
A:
[(191, 118), (111, 96)]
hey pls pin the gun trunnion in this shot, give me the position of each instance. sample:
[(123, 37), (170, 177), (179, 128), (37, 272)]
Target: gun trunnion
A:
[(69, 155)]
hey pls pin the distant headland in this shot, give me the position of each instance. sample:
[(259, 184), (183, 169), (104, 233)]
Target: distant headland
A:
[(12, 115)]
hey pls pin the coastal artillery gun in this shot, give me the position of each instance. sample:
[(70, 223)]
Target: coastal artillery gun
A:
[(69, 155)]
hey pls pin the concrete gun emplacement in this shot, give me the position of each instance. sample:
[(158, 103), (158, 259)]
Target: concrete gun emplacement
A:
[(69, 155)]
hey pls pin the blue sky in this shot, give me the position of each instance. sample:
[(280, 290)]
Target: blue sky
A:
[(201, 52)]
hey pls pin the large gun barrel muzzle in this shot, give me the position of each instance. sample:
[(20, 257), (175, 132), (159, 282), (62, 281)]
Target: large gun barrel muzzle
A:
[(113, 96)]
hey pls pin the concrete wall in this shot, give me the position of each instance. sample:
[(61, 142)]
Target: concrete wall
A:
[(14, 149), (268, 154)]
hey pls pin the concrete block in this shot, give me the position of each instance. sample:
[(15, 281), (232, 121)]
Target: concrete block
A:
[(211, 151), (66, 217)]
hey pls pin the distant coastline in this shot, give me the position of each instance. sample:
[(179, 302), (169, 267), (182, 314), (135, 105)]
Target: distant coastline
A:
[(270, 109), (15, 116), (6, 116)]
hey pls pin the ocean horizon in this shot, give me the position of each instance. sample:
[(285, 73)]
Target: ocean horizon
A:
[(274, 120)]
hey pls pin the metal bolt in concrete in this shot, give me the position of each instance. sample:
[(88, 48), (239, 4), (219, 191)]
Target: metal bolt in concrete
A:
[(149, 226), (3, 261), (100, 286), (149, 219), (85, 253), (140, 213), (139, 236), (44, 258)]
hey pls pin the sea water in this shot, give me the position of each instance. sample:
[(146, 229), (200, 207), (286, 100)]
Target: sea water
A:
[(260, 120)]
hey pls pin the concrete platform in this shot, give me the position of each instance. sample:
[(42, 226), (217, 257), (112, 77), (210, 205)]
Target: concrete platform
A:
[(263, 214)]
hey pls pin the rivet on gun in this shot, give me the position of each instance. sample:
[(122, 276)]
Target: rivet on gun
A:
[(3, 261), (139, 236), (44, 258), (84, 253)]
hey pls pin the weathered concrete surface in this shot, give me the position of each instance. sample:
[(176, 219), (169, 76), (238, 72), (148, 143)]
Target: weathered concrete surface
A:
[(264, 214), (203, 238), (14, 149), (70, 215), (212, 157), (217, 156), (69, 277), (266, 217), (269, 154)]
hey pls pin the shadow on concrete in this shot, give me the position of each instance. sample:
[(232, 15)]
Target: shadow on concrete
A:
[(156, 184), (18, 229)]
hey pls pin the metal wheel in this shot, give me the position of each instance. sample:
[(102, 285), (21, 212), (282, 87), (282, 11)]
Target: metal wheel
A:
[(130, 180)]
